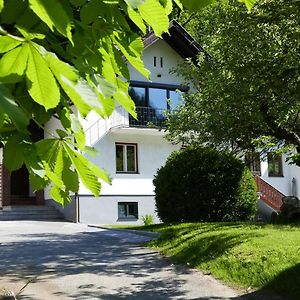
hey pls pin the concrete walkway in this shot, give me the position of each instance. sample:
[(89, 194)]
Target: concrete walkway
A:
[(74, 261)]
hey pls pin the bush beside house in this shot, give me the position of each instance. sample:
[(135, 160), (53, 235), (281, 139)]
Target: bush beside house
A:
[(203, 184)]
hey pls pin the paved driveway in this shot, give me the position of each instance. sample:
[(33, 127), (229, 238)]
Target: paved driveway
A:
[(74, 261)]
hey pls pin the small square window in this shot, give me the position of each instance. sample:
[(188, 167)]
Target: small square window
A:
[(128, 211), (275, 165), (126, 158)]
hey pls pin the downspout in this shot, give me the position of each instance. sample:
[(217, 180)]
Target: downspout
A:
[(77, 214)]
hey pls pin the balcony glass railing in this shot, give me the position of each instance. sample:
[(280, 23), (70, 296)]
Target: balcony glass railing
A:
[(148, 117)]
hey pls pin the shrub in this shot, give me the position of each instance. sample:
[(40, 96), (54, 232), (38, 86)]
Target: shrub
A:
[(203, 184), (148, 220)]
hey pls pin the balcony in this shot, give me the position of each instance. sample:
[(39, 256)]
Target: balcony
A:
[(148, 117)]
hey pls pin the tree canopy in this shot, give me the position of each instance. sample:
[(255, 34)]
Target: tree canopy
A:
[(247, 94), (59, 59)]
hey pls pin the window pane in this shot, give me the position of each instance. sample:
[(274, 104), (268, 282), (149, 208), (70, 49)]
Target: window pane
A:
[(275, 165), (121, 210), (128, 210), (119, 158), (132, 210), (158, 100), (175, 99), (138, 95), (131, 158)]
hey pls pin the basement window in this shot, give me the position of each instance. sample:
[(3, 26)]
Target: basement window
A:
[(128, 211)]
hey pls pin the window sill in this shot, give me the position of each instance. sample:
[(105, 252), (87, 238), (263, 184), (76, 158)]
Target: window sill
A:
[(276, 176), (127, 219), (119, 172)]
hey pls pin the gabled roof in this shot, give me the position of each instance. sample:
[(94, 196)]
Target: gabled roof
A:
[(179, 39)]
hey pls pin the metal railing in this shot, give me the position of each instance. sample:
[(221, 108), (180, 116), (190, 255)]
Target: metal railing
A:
[(148, 117), (100, 128), (269, 194)]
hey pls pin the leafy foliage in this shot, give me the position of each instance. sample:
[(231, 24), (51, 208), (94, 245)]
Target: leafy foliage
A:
[(202, 184), (247, 94), (64, 59)]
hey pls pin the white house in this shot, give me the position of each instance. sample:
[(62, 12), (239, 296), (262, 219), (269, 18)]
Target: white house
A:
[(132, 150)]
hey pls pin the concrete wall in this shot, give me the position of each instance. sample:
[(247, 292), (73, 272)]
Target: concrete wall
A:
[(104, 210), (68, 211)]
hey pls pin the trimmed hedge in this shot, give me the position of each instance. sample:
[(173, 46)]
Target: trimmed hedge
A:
[(203, 184)]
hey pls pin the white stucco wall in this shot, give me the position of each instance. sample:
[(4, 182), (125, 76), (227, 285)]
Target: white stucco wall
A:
[(152, 152), (159, 75), (284, 183), (104, 210)]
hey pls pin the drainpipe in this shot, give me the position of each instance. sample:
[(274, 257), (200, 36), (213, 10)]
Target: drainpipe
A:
[(77, 216)]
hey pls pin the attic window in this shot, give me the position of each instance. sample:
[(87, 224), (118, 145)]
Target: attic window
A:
[(154, 61), (161, 62)]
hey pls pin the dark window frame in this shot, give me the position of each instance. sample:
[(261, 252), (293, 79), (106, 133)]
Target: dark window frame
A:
[(273, 160), (167, 87), (128, 217), (124, 144), (253, 162)]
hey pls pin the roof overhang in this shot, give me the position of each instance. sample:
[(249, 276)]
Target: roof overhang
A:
[(179, 39)]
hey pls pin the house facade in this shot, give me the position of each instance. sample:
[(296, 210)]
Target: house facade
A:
[(132, 150)]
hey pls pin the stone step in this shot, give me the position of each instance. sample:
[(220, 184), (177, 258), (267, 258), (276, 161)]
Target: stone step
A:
[(10, 213), (29, 208)]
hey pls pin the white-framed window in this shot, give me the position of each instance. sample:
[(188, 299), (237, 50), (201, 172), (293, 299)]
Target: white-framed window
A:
[(128, 211), (126, 158)]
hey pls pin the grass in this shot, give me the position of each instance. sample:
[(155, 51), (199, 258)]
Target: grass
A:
[(261, 256)]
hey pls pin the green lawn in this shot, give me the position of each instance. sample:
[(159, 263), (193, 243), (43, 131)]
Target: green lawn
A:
[(247, 255)]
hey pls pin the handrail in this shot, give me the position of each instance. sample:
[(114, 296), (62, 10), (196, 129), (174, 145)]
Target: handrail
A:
[(102, 126), (269, 194)]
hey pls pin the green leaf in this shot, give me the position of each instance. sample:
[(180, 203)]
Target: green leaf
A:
[(70, 178), (13, 64), (54, 14), (37, 182), (133, 4), (13, 157), (137, 19), (78, 130), (179, 4), (1, 5), (124, 99), (196, 4), (104, 90), (91, 151), (91, 11), (249, 3), (41, 83), (60, 196), (155, 15), (133, 51), (87, 176), (168, 5), (47, 150), (10, 107), (7, 43)]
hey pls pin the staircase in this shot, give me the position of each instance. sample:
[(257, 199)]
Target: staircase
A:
[(30, 212), (268, 194), (119, 118)]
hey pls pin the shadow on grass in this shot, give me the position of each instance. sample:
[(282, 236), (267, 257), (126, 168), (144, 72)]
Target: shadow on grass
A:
[(278, 287)]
